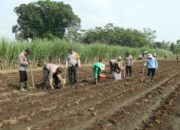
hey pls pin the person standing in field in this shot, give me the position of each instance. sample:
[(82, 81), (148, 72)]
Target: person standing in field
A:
[(177, 57), (128, 64), (154, 55), (52, 73), (72, 62), (152, 65), (98, 67), (23, 64)]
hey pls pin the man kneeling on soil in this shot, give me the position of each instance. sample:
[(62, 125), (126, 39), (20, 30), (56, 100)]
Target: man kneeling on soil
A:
[(152, 64), (52, 72), (97, 68)]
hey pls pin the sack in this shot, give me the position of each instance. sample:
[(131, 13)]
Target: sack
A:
[(102, 76), (116, 76)]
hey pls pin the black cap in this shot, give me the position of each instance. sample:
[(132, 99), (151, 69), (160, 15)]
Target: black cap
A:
[(28, 50)]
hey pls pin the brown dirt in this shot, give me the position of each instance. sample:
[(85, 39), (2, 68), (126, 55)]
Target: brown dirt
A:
[(123, 105)]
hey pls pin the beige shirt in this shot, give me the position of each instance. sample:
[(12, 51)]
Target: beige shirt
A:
[(120, 64), (52, 69), (72, 59), (129, 61), (23, 63)]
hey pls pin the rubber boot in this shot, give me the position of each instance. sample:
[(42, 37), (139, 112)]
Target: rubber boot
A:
[(96, 81), (27, 86), (22, 87), (147, 79)]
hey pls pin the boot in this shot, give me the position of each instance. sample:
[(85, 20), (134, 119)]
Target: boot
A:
[(147, 79), (22, 87), (27, 86)]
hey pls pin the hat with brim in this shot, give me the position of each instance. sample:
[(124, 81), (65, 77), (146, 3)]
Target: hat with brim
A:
[(102, 67), (149, 55)]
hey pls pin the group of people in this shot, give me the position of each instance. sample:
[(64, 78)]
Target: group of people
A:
[(52, 73), (118, 66)]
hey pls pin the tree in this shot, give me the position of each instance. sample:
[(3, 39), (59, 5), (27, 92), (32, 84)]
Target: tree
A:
[(44, 19), (151, 34), (115, 35), (173, 48)]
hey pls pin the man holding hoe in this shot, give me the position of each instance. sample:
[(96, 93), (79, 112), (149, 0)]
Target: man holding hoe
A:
[(152, 64), (23, 64)]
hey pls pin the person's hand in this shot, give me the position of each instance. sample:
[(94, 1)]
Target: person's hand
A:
[(66, 66), (30, 62), (52, 87)]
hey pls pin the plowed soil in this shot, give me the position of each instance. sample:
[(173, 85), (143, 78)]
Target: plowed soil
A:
[(127, 104)]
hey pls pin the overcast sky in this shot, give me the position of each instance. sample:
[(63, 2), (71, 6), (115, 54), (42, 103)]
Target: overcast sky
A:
[(160, 15)]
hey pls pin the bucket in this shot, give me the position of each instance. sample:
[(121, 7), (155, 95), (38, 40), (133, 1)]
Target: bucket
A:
[(102, 76)]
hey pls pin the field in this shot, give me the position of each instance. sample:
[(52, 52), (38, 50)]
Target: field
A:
[(123, 105)]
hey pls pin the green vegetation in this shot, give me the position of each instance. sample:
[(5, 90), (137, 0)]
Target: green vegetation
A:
[(55, 20), (115, 35), (55, 49), (44, 19)]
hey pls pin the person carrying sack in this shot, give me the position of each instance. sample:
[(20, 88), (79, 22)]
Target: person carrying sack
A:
[(52, 72), (23, 64), (72, 62)]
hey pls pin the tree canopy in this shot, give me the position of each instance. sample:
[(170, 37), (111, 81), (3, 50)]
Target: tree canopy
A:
[(115, 35), (44, 19)]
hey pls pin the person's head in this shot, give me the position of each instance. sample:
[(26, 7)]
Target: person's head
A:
[(127, 54), (102, 67), (58, 70), (100, 59), (149, 56), (71, 50), (154, 54), (27, 51)]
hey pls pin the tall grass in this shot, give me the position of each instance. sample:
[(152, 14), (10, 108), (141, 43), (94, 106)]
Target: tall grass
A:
[(53, 50)]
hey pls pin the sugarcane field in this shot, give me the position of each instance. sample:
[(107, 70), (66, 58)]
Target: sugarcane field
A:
[(89, 65)]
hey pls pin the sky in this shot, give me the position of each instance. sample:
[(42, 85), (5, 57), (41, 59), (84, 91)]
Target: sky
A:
[(160, 15)]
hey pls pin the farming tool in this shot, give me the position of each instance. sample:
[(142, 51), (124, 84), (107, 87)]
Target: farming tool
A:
[(32, 76), (124, 71), (63, 81), (143, 71)]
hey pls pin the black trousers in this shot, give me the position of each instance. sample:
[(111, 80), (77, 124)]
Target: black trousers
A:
[(72, 74), (57, 82), (151, 72), (129, 70), (22, 76), (111, 66)]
